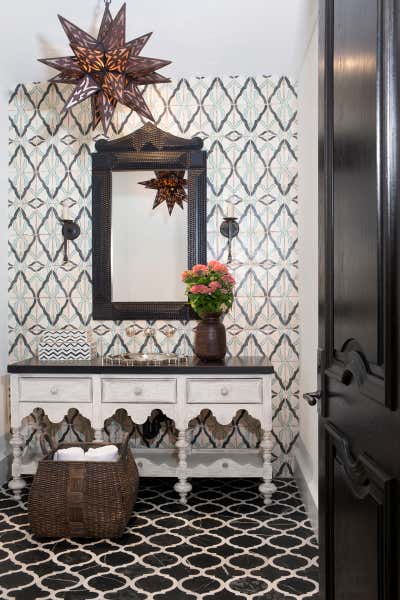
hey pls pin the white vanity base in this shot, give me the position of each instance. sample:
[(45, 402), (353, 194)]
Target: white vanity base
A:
[(180, 392)]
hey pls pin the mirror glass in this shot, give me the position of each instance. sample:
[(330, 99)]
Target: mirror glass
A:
[(148, 247)]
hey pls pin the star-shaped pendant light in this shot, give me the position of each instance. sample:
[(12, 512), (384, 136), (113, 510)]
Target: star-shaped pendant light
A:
[(170, 186), (107, 68)]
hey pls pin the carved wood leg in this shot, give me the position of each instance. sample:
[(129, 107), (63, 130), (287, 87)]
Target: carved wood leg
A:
[(98, 435), (267, 488), (17, 483), (182, 487)]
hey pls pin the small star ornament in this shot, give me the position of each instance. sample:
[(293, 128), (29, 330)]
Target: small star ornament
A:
[(106, 69), (170, 186)]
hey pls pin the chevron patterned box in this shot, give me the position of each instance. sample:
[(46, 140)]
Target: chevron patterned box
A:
[(67, 344)]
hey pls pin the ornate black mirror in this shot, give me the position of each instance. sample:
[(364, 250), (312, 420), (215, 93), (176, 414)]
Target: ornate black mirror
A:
[(149, 223)]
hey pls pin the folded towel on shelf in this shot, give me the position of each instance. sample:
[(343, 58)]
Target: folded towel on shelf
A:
[(74, 453), (102, 454)]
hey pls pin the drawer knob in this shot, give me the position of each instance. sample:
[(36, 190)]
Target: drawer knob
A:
[(54, 391), (224, 391), (138, 391)]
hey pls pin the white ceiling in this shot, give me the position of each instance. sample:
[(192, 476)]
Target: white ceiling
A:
[(201, 37)]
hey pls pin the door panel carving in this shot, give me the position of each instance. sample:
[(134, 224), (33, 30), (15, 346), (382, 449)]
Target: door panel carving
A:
[(363, 492)]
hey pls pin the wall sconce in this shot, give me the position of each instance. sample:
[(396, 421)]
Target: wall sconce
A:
[(70, 230), (229, 229)]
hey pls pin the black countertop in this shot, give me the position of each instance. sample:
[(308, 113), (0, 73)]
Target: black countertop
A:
[(233, 366)]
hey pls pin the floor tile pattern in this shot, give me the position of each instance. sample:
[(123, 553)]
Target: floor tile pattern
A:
[(225, 545), (249, 127)]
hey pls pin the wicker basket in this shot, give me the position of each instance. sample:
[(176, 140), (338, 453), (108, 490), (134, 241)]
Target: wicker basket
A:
[(82, 499)]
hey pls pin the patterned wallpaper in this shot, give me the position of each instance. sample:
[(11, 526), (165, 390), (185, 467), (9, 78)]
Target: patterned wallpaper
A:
[(250, 131)]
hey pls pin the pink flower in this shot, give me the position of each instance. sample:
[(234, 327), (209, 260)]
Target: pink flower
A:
[(185, 275), (199, 289), (217, 266), (214, 285), (229, 279), (200, 269), (224, 291)]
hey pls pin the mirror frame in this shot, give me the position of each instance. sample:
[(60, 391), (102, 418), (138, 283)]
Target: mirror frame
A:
[(150, 149)]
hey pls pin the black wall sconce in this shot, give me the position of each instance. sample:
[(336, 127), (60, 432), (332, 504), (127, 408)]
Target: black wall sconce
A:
[(70, 231), (229, 229)]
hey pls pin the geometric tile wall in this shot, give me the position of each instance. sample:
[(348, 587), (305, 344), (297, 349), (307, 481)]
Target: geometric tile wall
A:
[(249, 127)]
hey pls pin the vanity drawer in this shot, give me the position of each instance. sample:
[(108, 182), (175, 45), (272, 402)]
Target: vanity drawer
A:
[(69, 390), (156, 391), (224, 391)]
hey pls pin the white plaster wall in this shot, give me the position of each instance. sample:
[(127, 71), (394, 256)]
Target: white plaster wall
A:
[(307, 447), (4, 427), (211, 37)]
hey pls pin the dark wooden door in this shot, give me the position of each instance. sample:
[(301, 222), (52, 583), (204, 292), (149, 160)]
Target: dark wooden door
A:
[(359, 371)]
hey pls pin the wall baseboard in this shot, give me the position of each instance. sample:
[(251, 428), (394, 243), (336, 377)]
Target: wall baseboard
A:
[(308, 500), (5, 469), (5, 459)]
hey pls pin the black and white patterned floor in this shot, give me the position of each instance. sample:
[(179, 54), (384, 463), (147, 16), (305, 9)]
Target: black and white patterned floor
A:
[(224, 546)]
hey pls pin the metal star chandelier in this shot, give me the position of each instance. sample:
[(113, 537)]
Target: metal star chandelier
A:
[(107, 68), (170, 186)]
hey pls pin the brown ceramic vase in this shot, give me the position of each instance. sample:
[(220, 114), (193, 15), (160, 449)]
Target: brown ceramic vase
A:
[(210, 338)]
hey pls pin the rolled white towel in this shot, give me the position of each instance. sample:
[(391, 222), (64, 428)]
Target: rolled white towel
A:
[(102, 454), (74, 453)]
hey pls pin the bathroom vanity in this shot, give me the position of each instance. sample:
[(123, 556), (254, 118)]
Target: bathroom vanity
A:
[(97, 389)]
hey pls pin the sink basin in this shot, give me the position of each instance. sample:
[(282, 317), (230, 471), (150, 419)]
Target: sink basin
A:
[(146, 358), (149, 356)]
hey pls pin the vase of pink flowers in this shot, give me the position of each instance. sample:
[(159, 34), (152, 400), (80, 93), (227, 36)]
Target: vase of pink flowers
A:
[(209, 289)]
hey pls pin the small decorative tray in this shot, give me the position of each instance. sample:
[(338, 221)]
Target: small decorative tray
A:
[(150, 358)]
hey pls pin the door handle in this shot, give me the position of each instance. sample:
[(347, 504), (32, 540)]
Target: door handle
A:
[(313, 397), (355, 369)]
